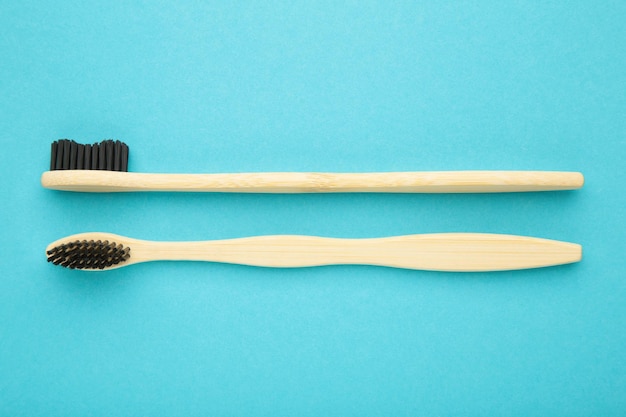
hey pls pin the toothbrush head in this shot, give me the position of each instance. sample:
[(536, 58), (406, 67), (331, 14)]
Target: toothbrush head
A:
[(107, 155), (88, 254)]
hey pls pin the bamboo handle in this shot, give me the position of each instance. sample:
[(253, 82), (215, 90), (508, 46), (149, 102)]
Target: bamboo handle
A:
[(440, 252), (294, 182)]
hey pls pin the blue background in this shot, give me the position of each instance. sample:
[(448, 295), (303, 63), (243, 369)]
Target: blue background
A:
[(314, 86)]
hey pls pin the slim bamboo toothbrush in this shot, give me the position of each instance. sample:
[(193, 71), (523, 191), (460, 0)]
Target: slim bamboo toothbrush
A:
[(102, 167), (466, 252)]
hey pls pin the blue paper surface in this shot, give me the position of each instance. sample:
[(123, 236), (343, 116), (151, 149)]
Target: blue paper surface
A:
[(314, 86)]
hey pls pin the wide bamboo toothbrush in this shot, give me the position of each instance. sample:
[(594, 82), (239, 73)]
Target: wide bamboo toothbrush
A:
[(464, 252), (102, 167)]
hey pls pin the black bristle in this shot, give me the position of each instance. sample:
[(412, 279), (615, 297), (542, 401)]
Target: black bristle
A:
[(107, 155), (80, 155), (109, 151), (124, 158), (58, 163), (118, 155), (59, 155), (95, 151), (53, 155), (102, 156), (66, 154), (87, 163), (88, 254), (73, 153)]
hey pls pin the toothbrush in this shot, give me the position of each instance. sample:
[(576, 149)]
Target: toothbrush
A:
[(461, 252), (102, 167)]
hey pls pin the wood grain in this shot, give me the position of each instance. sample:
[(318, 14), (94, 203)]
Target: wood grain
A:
[(312, 182)]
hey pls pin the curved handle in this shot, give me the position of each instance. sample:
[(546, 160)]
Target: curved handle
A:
[(314, 182), (440, 252)]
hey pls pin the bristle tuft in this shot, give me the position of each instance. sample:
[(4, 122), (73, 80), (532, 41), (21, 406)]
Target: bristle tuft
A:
[(107, 155), (88, 254), (95, 150), (118, 155), (87, 163), (124, 158), (53, 155), (66, 154), (102, 156), (110, 146)]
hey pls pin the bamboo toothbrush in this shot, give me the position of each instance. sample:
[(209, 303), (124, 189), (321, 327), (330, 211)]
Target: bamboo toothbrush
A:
[(465, 252), (102, 167)]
